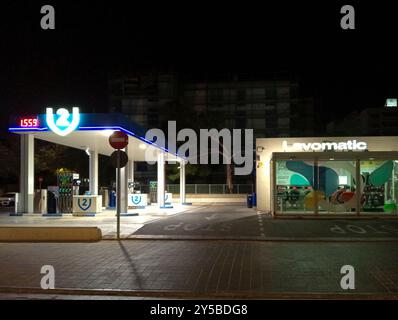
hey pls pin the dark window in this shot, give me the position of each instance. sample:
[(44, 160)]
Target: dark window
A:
[(141, 166), (271, 93)]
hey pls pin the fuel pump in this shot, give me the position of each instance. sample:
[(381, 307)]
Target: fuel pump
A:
[(76, 184), (130, 186), (52, 199), (65, 184), (153, 191), (134, 187)]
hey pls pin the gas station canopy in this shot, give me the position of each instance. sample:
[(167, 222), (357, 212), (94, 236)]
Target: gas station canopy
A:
[(92, 133)]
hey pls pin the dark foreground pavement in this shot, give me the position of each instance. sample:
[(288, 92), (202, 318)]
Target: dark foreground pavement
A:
[(204, 268)]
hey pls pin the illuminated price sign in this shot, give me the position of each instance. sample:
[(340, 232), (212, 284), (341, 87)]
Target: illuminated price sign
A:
[(29, 122)]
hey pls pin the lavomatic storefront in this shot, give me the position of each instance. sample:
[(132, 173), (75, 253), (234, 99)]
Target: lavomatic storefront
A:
[(327, 176)]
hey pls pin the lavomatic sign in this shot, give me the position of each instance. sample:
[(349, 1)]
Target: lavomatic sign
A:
[(350, 145)]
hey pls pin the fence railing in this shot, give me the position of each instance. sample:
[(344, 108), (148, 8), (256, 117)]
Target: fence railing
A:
[(205, 188)]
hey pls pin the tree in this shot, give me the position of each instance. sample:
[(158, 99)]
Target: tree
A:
[(188, 118), (9, 164), (50, 158), (190, 170), (185, 117)]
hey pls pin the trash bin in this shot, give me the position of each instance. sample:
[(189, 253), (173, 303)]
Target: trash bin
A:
[(250, 201), (390, 206), (104, 192), (112, 199), (40, 201), (254, 199), (51, 202)]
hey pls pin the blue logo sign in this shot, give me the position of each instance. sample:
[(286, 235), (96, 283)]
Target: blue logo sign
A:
[(136, 199), (62, 123), (84, 204)]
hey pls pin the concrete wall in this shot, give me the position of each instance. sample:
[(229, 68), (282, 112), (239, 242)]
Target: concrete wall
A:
[(215, 198), (49, 234), (270, 145)]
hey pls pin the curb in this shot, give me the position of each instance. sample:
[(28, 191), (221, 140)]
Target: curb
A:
[(202, 295), (259, 238), (49, 234)]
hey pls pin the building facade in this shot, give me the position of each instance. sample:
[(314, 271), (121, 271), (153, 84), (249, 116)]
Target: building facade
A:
[(273, 107), (145, 98), (326, 176), (380, 121)]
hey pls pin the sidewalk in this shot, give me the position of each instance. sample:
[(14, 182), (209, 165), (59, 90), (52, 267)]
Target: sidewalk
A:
[(220, 222), (204, 268), (105, 220)]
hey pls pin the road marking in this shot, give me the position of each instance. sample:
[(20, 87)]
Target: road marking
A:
[(261, 225), (212, 217)]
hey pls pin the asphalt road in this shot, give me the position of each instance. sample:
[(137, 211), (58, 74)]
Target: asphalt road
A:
[(232, 221), (221, 220)]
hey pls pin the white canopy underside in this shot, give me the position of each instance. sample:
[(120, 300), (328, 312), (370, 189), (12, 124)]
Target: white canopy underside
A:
[(96, 140)]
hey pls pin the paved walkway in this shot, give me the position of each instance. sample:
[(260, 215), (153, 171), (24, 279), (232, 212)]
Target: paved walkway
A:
[(64, 296), (221, 222), (209, 268), (106, 220)]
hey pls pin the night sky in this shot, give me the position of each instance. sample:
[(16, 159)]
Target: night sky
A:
[(347, 70)]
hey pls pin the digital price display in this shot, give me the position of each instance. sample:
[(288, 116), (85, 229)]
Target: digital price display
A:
[(29, 122)]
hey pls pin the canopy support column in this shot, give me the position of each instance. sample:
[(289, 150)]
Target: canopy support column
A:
[(93, 172), (27, 174), (182, 182), (161, 179)]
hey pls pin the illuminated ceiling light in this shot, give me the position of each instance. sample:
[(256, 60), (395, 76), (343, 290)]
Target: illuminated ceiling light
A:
[(142, 146), (343, 180), (107, 132), (331, 159)]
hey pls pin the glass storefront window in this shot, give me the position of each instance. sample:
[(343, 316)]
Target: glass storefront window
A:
[(294, 181), (302, 186), (329, 186), (379, 189), (335, 182)]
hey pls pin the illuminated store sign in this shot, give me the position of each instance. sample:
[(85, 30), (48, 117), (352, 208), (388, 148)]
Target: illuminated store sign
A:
[(62, 123), (391, 103), (350, 145)]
